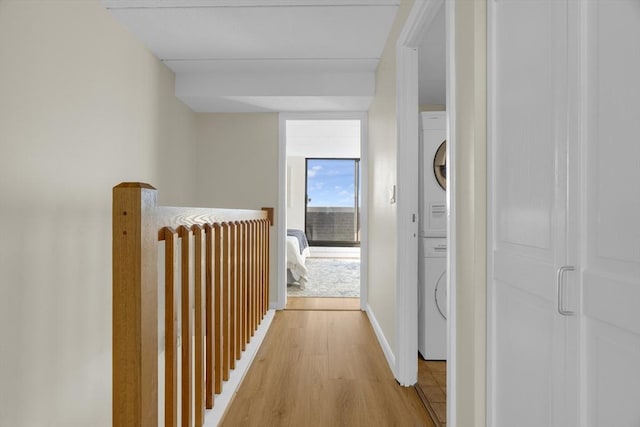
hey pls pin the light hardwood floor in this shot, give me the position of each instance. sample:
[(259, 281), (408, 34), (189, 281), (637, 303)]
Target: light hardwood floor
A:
[(432, 389), (323, 368), (307, 303)]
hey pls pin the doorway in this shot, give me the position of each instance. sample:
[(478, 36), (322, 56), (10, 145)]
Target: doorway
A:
[(433, 191), (466, 202), (322, 154)]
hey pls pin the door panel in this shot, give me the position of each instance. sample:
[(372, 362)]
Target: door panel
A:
[(611, 275), (613, 119), (613, 387), (533, 346), (534, 276), (527, 120), (523, 325)]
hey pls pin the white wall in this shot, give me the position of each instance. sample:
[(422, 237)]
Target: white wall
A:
[(237, 166), (324, 137), (383, 142), (296, 175), (83, 106)]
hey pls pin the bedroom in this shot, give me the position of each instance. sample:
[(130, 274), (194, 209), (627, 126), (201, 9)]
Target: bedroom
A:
[(324, 200)]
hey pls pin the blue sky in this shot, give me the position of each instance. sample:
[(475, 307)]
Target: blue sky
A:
[(330, 182)]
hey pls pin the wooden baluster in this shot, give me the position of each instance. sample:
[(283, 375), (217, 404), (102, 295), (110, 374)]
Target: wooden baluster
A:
[(226, 327), (245, 311), (255, 276), (268, 223), (265, 266), (186, 397), (259, 278), (238, 311), (217, 308), (267, 263), (209, 317), (240, 346), (199, 325), (258, 273), (248, 269), (238, 335), (233, 309), (249, 283), (134, 307), (239, 293), (171, 331), (252, 277)]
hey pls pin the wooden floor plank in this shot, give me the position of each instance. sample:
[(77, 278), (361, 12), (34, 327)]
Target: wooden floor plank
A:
[(432, 389), (310, 303), (323, 368)]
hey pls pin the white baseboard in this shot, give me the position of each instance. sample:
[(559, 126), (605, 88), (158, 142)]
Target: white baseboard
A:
[(230, 387), (386, 348)]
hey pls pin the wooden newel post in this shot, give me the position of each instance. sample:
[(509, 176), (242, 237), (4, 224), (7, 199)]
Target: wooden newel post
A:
[(270, 215), (135, 306)]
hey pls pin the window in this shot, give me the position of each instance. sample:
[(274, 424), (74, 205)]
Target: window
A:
[(332, 214)]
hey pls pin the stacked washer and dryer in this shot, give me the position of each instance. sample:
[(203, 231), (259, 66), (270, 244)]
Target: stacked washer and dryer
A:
[(432, 312)]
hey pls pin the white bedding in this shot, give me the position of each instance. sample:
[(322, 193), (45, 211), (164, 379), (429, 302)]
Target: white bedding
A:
[(296, 261)]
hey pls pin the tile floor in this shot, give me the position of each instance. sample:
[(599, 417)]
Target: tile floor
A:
[(432, 388)]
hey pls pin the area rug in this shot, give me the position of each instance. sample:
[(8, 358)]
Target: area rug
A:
[(330, 277)]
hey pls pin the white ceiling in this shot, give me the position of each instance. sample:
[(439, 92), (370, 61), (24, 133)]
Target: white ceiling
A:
[(265, 55), (277, 55)]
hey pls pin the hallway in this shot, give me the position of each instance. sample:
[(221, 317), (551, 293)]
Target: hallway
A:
[(323, 368)]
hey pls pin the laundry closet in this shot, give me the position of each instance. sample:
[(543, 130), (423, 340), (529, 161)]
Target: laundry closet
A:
[(432, 285)]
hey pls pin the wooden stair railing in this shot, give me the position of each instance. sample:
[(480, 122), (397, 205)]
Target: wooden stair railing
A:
[(221, 296)]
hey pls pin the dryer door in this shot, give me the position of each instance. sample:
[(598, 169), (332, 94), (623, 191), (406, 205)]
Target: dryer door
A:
[(440, 165)]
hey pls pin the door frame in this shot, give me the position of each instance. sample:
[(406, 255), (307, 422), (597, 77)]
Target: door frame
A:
[(420, 17), (281, 214)]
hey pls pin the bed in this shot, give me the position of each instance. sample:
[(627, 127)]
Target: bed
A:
[(297, 253)]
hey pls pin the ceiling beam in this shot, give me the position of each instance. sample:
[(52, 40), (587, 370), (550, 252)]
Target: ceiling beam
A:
[(276, 84), (153, 4), (265, 65)]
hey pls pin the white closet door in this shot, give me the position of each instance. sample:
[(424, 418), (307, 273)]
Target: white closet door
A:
[(532, 348), (611, 273)]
